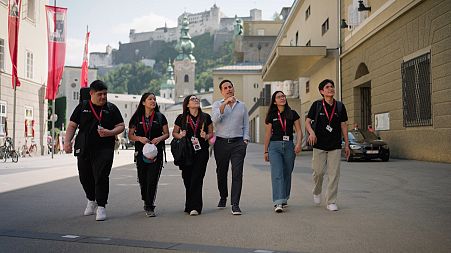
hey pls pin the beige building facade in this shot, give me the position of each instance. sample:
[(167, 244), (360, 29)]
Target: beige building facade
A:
[(306, 51), (396, 74)]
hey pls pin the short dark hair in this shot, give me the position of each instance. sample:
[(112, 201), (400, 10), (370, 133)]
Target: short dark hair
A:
[(324, 83), (98, 85), (224, 81)]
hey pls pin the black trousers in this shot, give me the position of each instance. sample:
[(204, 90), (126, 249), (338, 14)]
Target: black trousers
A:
[(230, 152), (94, 170), (148, 177), (193, 179)]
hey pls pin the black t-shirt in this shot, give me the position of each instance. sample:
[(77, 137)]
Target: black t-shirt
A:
[(277, 130), (156, 128), (328, 140), (88, 123), (190, 122)]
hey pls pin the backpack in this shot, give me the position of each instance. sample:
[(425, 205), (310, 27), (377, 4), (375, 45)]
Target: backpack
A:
[(318, 109)]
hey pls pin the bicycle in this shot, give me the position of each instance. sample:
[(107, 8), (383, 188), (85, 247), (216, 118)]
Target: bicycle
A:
[(8, 151), (32, 149)]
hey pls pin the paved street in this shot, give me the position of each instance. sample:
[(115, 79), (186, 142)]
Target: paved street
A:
[(398, 206)]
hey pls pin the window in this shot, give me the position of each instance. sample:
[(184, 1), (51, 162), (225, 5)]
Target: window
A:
[(297, 37), (29, 64), (29, 131), (307, 13), (3, 130), (416, 91), (325, 26), (125, 106), (31, 10), (2, 54), (307, 87), (186, 78), (309, 43), (76, 95)]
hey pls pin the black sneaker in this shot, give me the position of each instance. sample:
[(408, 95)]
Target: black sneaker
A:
[(150, 213), (222, 203), (236, 210)]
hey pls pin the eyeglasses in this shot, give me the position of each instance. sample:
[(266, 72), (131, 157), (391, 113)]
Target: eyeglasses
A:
[(281, 96), (193, 99)]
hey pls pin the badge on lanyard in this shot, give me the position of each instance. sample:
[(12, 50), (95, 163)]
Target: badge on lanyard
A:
[(194, 139), (283, 124), (196, 144), (97, 116), (328, 127)]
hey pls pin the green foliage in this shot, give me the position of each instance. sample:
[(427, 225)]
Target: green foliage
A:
[(60, 110), (132, 79)]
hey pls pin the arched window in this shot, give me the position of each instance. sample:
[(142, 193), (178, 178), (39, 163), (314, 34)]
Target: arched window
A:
[(186, 78)]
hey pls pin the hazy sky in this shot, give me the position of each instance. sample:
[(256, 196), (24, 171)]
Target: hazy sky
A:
[(110, 21)]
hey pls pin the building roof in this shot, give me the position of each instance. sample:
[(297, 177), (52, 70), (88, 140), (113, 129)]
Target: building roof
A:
[(240, 67)]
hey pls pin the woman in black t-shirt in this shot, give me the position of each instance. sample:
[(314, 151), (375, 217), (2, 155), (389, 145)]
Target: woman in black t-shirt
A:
[(280, 150), (198, 128), (148, 125)]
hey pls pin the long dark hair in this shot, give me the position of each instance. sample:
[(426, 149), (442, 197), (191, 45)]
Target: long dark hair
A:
[(185, 105), (141, 110), (186, 110), (273, 108)]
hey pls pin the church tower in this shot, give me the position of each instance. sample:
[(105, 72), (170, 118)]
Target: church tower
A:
[(167, 89), (184, 64)]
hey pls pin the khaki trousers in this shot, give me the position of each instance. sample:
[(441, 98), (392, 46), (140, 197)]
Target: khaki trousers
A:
[(330, 161)]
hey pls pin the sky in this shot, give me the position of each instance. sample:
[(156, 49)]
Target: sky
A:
[(110, 21)]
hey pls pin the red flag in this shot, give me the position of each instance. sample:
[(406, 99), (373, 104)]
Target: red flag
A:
[(13, 36), (84, 66), (56, 30)]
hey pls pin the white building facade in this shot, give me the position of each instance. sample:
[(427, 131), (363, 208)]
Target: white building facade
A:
[(31, 106)]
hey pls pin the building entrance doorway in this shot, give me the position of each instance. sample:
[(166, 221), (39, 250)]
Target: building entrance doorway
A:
[(365, 99)]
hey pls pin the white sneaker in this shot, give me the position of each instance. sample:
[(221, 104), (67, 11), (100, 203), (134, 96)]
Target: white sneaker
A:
[(90, 208), (278, 209), (317, 199), (101, 214), (332, 207), (194, 213)]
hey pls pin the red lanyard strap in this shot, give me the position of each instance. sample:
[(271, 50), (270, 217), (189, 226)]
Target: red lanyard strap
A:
[(333, 111), (145, 128), (97, 116), (194, 126), (283, 124)]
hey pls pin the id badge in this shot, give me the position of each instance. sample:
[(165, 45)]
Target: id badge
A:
[(286, 138), (328, 128), (196, 144)]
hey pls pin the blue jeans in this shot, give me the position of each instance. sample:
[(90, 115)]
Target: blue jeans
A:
[(281, 158)]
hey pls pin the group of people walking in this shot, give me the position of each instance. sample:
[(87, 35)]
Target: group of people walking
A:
[(99, 121)]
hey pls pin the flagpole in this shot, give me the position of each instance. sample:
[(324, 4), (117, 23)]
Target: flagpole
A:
[(53, 103), (14, 113)]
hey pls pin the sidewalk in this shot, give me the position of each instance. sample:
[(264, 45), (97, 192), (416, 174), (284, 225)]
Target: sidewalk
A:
[(398, 206), (30, 171)]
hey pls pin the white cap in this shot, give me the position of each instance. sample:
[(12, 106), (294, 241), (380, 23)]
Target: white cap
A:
[(150, 151)]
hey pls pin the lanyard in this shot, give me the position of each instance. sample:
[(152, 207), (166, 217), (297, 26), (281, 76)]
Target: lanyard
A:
[(333, 111), (194, 126), (98, 117), (282, 124), (145, 128)]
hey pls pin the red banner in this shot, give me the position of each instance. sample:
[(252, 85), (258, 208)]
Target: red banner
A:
[(56, 31), (84, 66), (13, 36)]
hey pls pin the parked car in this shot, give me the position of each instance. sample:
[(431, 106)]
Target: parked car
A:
[(366, 145)]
